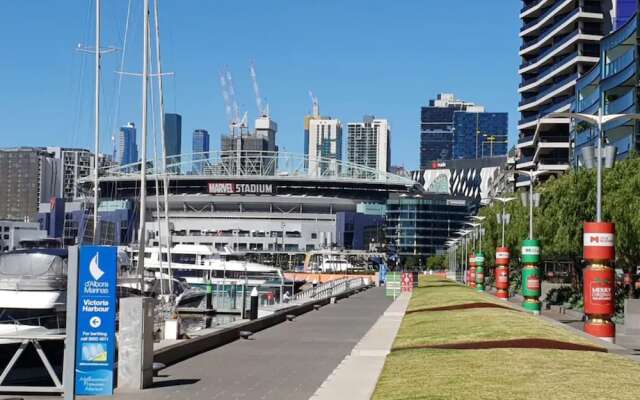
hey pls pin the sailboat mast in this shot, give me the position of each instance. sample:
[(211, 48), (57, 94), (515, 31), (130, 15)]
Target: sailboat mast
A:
[(143, 159), (97, 126), (165, 180)]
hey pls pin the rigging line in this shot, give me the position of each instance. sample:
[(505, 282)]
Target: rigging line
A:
[(116, 113), (79, 88)]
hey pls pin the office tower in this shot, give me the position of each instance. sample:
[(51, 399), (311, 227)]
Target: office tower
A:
[(75, 164), (437, 127), (200, 149), (369, 143), (324, 147), (251, 154), (127, 147), (173, 140), (266, 128), (30, 176), (560, 43), (613, 83), (479, 134)]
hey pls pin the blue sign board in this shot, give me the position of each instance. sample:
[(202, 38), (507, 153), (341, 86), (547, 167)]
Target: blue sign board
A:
[(96, 320), (383, 274)]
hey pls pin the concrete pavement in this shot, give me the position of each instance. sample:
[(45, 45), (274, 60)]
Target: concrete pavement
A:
[(356, 376), (287, 361)]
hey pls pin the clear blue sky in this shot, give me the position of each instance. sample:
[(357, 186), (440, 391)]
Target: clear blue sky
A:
[(379, 57)]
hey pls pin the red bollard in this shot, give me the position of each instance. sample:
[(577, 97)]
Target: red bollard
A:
[(599, 279), (502, 273), (472, 270)]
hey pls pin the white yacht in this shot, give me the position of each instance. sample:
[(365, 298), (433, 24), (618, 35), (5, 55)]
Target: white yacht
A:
[(329, 261), (198, 264)]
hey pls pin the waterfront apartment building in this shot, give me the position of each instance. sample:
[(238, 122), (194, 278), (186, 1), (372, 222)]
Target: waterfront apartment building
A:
[(127, 146), (324, 145), (369, 143), (74, 165), (200, 149), (612, 84), (437, 129), (30, 176), (560, 43)]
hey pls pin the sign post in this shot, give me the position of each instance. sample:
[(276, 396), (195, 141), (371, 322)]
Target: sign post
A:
[(531, 290), (95, 321)]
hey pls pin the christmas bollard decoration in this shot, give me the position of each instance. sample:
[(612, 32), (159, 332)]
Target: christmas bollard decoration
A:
[(599, 279), (472, 270), (480, 272), (531, 275), (502, 273)]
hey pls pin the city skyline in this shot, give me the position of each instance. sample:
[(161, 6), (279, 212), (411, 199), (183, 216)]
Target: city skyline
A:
[(347, 90)]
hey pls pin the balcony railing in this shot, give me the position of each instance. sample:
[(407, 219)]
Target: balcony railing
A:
[(620, 35), (548, 90), (588, 101), (553, 8), (548, 69), (590, 77), (621, 104), (552, 48), (619, 63)]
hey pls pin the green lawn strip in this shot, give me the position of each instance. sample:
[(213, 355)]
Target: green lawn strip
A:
[(440, 293), (473, 325), (507, 374)]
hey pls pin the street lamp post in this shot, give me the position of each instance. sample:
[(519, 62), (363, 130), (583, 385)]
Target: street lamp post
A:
[(502, 257), (530, 255), (599, 243)]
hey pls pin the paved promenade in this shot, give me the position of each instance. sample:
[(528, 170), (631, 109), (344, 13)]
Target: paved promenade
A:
[(287, 361)]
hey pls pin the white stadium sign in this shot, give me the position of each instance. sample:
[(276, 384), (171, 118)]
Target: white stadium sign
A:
[(240, 188)]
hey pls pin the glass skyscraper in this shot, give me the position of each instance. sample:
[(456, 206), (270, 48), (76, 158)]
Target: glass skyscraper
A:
[(127, 146), (200, 149), (173, 138), (479, 135)]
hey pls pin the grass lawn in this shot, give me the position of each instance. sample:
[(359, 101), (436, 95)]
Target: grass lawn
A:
[(494, 373)]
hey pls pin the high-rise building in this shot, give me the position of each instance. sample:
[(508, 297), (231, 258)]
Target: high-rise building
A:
[(612, 83), (251, 154), (127, 147), (369, 143), (30, 176), (200, 149), (560, 43), (324, 147), (266, 128), (173, 139), (479, 134), (437, 129), (75, 164)]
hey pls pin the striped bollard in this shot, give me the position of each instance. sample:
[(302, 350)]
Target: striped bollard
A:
[(599, 279), (480, 272), (502, 273), (472, 270), (531, 275)]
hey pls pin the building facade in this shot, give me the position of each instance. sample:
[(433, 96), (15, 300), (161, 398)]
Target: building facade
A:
[(74, 165), (369, 143), (437, 127), (200, 149), (560, 43), (479, 134), (324, 145), (356, 231), (127, 145), (29, 177), (173, 138), (612, 85)]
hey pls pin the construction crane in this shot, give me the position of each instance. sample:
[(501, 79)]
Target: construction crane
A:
[(315, 110), (231, 105), (263, 110)]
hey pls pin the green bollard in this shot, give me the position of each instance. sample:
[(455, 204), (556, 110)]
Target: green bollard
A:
[(531, 275), (480, 272)]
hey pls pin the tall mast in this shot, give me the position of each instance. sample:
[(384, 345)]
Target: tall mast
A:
[(165, 180), (97, 126), (143, 159)]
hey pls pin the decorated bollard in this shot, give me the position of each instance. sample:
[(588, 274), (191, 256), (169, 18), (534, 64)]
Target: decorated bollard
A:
[(531, 275), (472, 270), (502, 273), (480, 272), (599, 279)]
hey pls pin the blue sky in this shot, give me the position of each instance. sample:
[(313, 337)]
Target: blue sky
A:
[(385, 58)]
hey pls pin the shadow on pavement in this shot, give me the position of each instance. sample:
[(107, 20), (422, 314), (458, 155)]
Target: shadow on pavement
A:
[(532, 343), (465, 306), (174, 382)]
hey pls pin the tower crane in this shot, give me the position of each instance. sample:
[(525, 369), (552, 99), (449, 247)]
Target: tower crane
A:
[(315, 110), (263, 109)]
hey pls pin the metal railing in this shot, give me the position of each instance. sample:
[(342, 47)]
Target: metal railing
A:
[(331, 288)]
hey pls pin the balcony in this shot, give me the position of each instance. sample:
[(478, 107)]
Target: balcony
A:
[(619, 63), (621, 104), (544, 17), (549, 90), (558, 105), (545, 34), (589, 78), (555, 47), (619, 36), (620, 77), (588, 102), (533, 6), (550, 71)]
